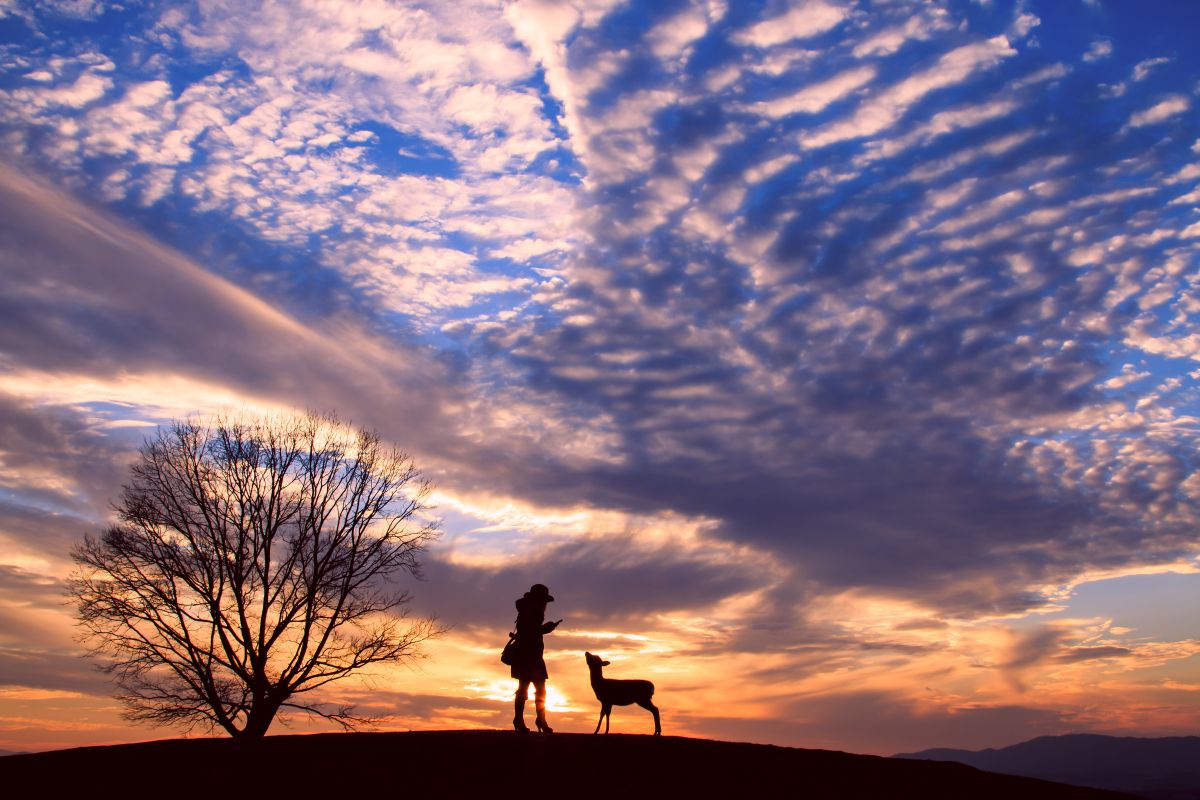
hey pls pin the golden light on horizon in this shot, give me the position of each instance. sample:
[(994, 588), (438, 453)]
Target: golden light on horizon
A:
[(502, 691)]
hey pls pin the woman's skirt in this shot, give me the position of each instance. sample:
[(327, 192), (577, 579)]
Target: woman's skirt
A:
[(529, 664)]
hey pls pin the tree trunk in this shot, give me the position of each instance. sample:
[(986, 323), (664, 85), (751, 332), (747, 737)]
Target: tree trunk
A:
[(261, 715)]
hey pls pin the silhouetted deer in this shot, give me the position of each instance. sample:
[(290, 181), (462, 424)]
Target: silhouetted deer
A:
[(619, 693)]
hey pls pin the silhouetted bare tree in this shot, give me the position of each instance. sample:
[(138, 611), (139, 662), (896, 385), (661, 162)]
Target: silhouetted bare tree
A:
[(250, 567)]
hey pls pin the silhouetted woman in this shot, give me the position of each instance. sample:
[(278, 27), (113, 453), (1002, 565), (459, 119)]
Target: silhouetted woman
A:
[(528, 666)]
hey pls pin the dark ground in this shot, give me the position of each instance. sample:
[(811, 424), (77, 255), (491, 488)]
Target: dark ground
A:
[(489, 764)]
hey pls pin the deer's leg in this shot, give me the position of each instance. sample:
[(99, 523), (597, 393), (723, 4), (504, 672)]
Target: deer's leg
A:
[(598, 721), (653, 709), (607, 712)]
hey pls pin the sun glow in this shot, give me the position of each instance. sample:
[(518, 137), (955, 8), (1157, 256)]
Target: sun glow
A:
[(503, 691)]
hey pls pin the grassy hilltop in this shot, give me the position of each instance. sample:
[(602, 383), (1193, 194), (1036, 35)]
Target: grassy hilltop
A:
[(492, 764)]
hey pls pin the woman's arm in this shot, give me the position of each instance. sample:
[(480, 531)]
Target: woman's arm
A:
[(549, 626)]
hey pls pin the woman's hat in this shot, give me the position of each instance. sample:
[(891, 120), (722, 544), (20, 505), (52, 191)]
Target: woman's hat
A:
[(540, 592)]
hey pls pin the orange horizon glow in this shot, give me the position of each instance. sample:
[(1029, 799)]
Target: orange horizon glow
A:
[(952, 672)]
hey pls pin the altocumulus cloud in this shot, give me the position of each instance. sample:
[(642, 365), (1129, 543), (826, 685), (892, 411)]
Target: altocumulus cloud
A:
[(886, 297)]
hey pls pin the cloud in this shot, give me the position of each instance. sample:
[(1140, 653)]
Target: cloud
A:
[(1160, 112), (1098, 50), (673, 36), (918, 27), (604, 583), (1031, 648), (882, 110), (54, 671), (89, 87), (1088, 653), (801, 21), (816, 97), (1024, 23), (1142, 69), (942, 123), (91, 298)]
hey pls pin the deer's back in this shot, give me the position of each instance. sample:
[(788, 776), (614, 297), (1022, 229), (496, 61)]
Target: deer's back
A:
[(624, 692)]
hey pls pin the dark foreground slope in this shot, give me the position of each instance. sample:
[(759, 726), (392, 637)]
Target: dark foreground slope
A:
[(1161, 769), (490, 764)]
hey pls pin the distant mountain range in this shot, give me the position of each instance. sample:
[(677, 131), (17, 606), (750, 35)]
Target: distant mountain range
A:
[(1160, 769)]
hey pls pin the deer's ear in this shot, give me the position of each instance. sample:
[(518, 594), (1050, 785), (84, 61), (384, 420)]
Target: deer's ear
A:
[(604, 663)]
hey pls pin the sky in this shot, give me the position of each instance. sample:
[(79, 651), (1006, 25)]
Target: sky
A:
[(833, 362)]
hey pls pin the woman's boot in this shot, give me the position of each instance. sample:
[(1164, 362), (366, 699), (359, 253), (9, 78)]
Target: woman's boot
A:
[(542, 725), (519, 715)]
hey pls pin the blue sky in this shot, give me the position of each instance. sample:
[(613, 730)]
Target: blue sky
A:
[(849, 338)]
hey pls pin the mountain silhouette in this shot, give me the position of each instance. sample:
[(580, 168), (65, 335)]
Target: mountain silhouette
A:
[(1160, 769), (504, 764)]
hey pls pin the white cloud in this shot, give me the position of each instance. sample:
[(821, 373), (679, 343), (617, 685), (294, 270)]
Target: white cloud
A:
[(283, 159), (1160, 112), (919, 27), (1127, 376), (882, 110), (802, 21), (90, 86), (542, 26), (1099, 49), (1191, 198), (1050, 73), (402, 61), (671, 38), (817, 96), (1142, 69), (931, 170), (619, 144), (940, 124), (1024, 23), (985, 211)]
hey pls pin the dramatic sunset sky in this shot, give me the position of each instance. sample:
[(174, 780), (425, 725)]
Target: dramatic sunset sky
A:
[(835, 363)]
